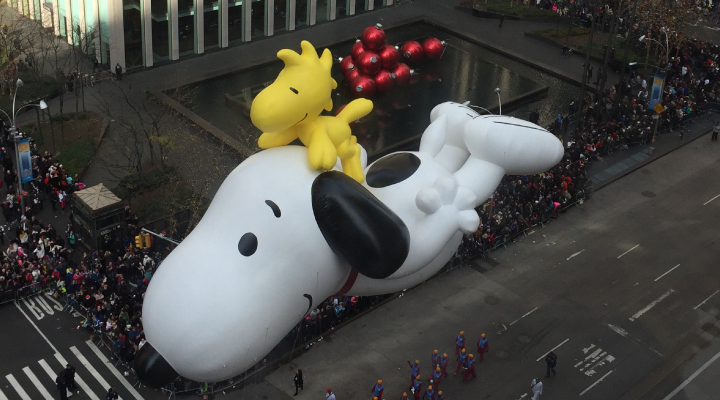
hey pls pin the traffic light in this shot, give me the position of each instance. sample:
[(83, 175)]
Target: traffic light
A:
[(147, 240), (139, 241)]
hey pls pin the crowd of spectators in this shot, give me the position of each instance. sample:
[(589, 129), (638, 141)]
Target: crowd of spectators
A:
[(614, 119)]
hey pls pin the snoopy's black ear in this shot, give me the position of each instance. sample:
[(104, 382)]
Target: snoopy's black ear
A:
[(358, 227)]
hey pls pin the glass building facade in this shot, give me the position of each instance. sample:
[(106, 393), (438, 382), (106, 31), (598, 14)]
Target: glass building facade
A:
[(143, 33)]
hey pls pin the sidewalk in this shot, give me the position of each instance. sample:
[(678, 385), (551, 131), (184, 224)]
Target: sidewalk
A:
[(621, 163)]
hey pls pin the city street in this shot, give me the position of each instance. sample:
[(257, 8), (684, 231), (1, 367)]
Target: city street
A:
[(623, 288), (38, 339)]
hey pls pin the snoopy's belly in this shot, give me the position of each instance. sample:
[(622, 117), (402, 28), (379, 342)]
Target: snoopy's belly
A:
[(365, 286), (429, 234)]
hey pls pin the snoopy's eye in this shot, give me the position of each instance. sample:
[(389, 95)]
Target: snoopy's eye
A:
[(248, 244), (274, 207), (294, 90)]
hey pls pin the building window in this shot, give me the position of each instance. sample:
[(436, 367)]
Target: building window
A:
[(236, 21), (90, 30), (361, 6), (211, 23), (302, 13), (322, 11), (343, 8), (186, 26), (160, 30), (258, 22), (132, 26)]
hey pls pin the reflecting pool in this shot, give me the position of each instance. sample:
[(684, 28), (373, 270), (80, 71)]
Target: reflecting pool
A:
[(466, 72)]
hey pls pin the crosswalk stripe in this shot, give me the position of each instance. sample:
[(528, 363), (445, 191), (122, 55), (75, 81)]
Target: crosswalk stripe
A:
[(114, 370), (37, 384), (90, 368), (17, 387), (2, 396), (78, 379)]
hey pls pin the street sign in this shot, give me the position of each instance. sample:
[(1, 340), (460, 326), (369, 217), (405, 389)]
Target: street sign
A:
[(659, 108)]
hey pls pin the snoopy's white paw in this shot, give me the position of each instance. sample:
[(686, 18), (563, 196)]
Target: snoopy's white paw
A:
[(459, 200)]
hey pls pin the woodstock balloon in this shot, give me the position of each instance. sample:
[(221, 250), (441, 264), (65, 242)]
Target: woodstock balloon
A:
[(290, 108), (281, 236)]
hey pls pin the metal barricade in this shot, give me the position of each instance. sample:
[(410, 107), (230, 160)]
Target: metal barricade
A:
[(7, 296), (30, 290)]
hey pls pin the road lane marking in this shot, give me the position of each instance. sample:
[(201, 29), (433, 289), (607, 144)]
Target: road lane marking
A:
[(596, 382), (705, 301), (17, 387), (86, 389), (635, 247), (669, 271), (705, 203), (691, 377), (2, 396), (553, 349), (36, 327), (89, 367), (575, 254), (651, 305), (620, 331), (114, 370), (37, 384), (528, 313)]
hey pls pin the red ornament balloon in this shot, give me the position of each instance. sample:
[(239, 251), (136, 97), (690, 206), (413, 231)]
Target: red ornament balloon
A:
[(389, 56), (364, 86), (373, 37), (402, 74), (356, 50), (369, 63), (347, 64), (412, 51), (384, 80), (433, 49), (351, 75)]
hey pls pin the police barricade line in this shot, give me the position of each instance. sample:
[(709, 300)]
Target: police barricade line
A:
[(30, 290)]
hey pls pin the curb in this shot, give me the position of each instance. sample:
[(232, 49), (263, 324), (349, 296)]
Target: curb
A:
[(648, 161)]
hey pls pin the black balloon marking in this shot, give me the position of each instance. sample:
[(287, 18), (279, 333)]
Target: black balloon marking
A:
[(292, 89), (307, 296), (392, 169), (274, 207), (358, 227), (248, 244)]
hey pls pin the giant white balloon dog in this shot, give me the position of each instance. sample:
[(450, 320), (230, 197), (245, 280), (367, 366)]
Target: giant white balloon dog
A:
[(280, 237)]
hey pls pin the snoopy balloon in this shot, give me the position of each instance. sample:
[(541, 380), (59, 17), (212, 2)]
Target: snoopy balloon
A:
[(280, 237)]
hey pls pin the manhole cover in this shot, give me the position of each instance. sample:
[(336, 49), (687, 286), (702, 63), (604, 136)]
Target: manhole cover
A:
[(502, 354), (646, 171), (648, 194), (492, 300), (523, 339)]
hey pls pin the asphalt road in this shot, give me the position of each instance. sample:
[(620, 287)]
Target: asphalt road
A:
[(37, 340), (623, 287)]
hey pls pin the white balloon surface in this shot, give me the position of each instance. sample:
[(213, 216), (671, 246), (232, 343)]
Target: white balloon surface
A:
[(280, 237)]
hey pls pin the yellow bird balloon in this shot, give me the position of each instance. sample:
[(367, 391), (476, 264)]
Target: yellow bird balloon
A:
[(290, 108)]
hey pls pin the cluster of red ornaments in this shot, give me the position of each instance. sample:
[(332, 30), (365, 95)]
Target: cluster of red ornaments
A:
[(374, 66)]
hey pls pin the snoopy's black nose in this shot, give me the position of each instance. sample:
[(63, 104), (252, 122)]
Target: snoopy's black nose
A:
[(152, 369)]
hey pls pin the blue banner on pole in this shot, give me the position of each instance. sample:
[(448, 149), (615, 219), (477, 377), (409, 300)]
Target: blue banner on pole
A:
[(26, 172), (656, 91)]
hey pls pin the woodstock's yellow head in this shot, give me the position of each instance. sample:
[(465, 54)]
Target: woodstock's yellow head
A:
[(300, 92)]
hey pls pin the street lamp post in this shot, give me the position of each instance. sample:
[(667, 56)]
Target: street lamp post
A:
[(16, 136), (497, 90), (667, 47)]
